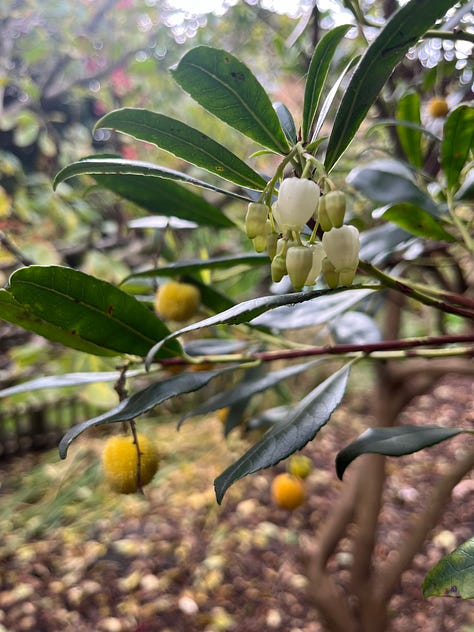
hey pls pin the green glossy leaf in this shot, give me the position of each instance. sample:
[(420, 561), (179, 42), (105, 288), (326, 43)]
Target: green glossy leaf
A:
[(212, 298), (196, 265), (453, 575), (389, 182), (185, 142), (89, 309), (416, 221), (317, 73), (66, 380), (18, 314), (458, 143), (303, 423), (165, 197), (118, 166), (403, 30), (396, 441), (244, 390), (224, 86), (331, 95), (286, 121), (143, 401), (247, 311), (410, 137)]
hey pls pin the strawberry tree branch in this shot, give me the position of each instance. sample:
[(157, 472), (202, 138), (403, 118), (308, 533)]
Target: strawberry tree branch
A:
[(405, 288)]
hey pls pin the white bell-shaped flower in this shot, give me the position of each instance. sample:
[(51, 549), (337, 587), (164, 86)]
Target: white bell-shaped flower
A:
[(299, 260), (297, 202), (342, 247), (318, 254)]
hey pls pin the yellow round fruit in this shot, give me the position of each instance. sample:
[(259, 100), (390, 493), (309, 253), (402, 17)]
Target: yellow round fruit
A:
[(222, 414), (177, 301), (287, 491), (119, 462), (438, 107), (300, 465)]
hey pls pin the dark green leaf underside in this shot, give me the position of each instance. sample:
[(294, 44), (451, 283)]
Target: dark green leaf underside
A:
[(397, 441)]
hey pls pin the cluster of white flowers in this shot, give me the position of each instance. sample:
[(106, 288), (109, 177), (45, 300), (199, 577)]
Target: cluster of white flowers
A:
[(278, 231)]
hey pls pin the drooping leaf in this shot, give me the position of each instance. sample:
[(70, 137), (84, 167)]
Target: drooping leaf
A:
[(143, 401), (398, 123), (317, 73), (185, 142), (162, 222), (286, 121), (246, 312), (211, 297), (453, 575), (315, 312), (304, 422), (224, 86), (396, 441), (458, 143), (402, 31), (16, 313), (88, 309), (416, 221), (389, 182), (410, 137), (165, 197), (377, 244), (246, 389), (67, 379), (100, 165), (355, 328), (213, 346), (196, 265)]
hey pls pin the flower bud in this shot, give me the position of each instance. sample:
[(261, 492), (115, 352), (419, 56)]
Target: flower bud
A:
[(255, 219), (346, 276), (342, 247), (299, 260), (323, 217), (297, 202), (335, 207), (271, 245), (330, 275), (278, 268), (318, 254), (259, 243)]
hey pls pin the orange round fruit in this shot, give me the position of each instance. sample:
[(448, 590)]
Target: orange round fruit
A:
[(177, 301), (300, 465), (438, 107), (119, 462), (287, 491)]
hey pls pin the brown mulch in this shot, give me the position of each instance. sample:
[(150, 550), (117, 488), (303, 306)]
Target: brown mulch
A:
[(175, 561)]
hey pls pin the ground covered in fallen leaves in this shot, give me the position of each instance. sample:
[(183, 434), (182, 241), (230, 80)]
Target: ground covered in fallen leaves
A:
[(74, 557)]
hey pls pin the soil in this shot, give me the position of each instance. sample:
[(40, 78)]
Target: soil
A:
[(175, 561)]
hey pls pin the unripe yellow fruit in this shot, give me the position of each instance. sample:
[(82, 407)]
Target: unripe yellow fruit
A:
[(119, 463), (287, 491), (177, 301), (300, 465), (438, 107)]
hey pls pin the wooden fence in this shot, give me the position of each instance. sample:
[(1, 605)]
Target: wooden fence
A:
[(30, 428)]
